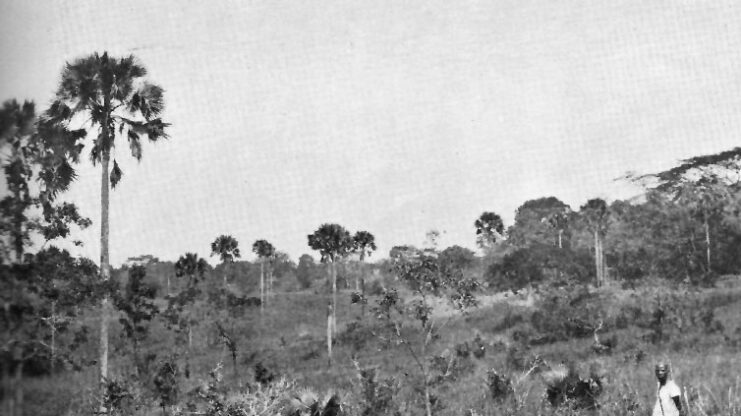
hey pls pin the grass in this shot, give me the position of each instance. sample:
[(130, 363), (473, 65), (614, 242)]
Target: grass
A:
[(289, 340)]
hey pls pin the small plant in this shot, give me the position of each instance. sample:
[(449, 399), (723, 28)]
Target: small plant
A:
[(263, 375), (427, 278), (118, 397), (377, 395), (166, 383), (498, 385)]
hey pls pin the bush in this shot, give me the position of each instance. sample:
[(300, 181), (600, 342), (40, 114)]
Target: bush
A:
[(537, 264), (499, 386), (569, 312)]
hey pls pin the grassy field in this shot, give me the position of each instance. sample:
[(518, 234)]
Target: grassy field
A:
[(698, 334)]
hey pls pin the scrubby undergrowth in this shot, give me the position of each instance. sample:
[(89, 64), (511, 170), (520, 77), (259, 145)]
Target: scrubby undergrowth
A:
[(499, 359)]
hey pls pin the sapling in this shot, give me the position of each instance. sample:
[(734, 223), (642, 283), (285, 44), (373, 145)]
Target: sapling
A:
[(428, 279)]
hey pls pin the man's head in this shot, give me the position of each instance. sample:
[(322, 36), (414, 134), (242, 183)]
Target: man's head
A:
[(662, 371)]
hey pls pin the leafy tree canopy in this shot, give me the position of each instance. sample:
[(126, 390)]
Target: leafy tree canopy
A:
[(332, 241)]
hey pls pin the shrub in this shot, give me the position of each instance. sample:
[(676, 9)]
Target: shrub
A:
[(499, 386), (263, 375)]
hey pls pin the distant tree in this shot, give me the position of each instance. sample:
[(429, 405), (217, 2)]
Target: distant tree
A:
[(333, 242), (364, 243), (105, 96), (559, 221), (282, 265), (535, 221), (596, 216), (457, 257), (404, 252), (227, 248), (136, 302), (527, 267), (489, 229), (179, 313), (305, 271), (265, 252)]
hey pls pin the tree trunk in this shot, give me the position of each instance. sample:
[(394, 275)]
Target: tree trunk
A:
[(334, 298), (428, 406), (707, 241), (560, 234), (137, 358), (262, 286), (596, 258), (601, 262), (329, 334), (104, 264), (270, 282), (6, 390), (362, 292), (190, 338), (19, 389), (52, 321)]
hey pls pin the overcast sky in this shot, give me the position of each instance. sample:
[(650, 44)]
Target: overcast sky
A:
[(390, 116)]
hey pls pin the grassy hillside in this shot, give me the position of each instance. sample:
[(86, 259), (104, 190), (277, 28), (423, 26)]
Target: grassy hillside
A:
[(698, 332)]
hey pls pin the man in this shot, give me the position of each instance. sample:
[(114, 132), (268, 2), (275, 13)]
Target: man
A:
[(668, 396)]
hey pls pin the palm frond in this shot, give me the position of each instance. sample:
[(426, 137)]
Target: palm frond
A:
[(64, 176), (95, 153), (148, 100), (125, 73), (58, 112), (116, 174), (135, 145)]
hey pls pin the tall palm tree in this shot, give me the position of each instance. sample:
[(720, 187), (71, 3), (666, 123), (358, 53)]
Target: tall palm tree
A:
[(596, 215), (227, 248), (108, 97), (333, 242), (559, 221), (192, 268), (264, 251), (364, 243), (489, 229)]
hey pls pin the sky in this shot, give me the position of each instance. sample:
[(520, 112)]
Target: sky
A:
[(391, 116)]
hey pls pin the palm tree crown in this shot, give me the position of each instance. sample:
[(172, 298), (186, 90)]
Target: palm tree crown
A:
[(226, 247), (111, 96)]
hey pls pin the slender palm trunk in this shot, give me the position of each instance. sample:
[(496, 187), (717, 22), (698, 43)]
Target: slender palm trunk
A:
[(358, 280), (334, 298), (262, 286), (270, 282), (8, 405), (425, 371), (560, 234), (707, 242), (19, 389), (597, 259), (53, 336), (330, 313), (190, 338), (104, 262)]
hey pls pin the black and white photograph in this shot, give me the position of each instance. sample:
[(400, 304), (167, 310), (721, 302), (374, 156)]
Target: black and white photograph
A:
[(370, 208)]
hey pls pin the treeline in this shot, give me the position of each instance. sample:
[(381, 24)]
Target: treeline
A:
[(681, 230)]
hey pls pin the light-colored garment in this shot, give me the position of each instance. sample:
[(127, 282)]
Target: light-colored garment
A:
[(664, 403)]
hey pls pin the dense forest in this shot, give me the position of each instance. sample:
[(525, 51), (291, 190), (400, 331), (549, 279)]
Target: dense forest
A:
[(564, 311)]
